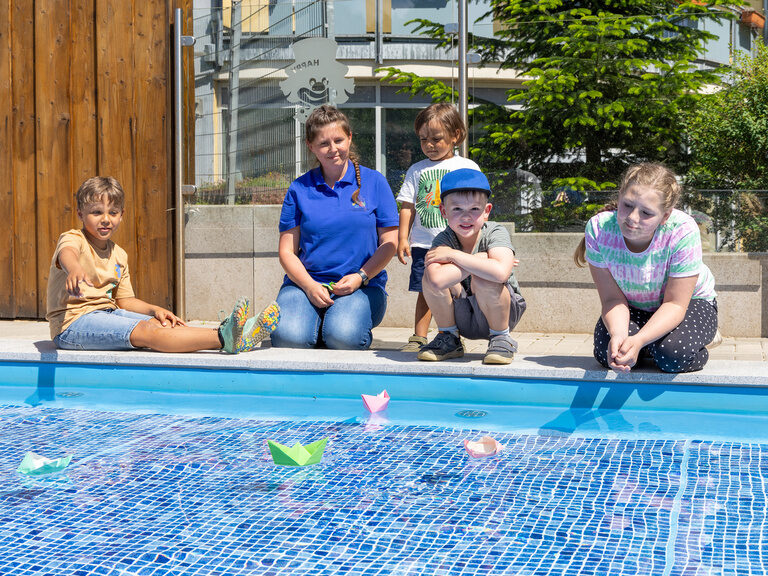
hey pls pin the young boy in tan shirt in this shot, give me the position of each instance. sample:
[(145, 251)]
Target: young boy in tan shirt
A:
[(91, 303)]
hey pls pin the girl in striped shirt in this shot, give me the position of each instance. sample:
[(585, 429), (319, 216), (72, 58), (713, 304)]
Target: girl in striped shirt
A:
[(657, 296)]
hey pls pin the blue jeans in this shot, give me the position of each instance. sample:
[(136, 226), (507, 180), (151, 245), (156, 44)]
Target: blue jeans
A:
[(100, 330), (345, 325)]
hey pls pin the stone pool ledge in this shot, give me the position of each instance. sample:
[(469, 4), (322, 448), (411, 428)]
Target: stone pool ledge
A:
[(385, 360)]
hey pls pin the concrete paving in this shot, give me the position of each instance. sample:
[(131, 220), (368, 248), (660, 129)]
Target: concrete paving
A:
[(736, 362)]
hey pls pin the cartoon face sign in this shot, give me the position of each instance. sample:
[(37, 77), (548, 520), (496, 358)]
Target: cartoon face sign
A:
[(316, 94), (316, 77)]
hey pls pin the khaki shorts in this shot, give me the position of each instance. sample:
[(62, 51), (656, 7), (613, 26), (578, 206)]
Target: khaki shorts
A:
[(471, 321)]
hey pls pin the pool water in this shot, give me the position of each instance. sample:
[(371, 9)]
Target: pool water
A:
[(167, 494), (171, 474)]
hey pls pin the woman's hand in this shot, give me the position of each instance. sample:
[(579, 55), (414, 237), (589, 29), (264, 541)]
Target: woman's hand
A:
[(348, 284), (318, 295)]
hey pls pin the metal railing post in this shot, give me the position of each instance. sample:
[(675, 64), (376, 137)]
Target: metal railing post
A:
[(463, 93), (179, 189)]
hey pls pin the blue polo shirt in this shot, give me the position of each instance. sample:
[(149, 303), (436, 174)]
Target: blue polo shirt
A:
[(336, 236)]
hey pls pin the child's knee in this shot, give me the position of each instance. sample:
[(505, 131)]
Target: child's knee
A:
[(144, 333), (488, 290), (680, 360), (429, 282)]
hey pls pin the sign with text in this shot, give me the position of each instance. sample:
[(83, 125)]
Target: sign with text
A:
[(316, 77)]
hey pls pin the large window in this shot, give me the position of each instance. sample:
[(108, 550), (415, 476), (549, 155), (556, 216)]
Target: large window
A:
[(358, 17)]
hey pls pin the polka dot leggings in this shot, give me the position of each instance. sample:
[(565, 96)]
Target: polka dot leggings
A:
[(682, 350)]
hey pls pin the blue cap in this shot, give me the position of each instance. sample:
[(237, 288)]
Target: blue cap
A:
[(464, 180)]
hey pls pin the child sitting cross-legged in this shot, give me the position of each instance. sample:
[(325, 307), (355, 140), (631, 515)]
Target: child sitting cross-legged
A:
[(91, 304), (468, 280)]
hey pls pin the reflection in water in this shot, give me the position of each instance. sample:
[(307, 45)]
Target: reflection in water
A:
[(585, 408)]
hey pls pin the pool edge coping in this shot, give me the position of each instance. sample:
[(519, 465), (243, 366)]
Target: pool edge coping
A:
[(573, 368)]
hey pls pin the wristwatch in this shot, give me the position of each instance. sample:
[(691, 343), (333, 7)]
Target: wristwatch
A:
[(364, 276)]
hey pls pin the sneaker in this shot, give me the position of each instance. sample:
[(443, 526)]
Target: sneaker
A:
[(259, 327), (501, 350), (716, 341), (414, 344), (232, 327), (443, 346)]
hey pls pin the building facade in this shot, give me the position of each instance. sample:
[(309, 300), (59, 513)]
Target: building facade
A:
[(247, 128)]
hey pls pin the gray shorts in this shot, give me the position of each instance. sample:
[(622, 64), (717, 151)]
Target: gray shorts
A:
[(471, 321)]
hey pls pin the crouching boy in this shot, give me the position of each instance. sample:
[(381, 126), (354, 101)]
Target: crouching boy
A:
[(468, 280)]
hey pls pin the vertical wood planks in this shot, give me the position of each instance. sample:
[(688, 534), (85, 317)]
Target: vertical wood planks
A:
[(153, 169), (23, 177), (115, 74), (6, 140), (54, 188), (83, 90)]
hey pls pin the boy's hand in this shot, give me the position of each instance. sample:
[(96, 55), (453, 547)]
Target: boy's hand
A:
[(318, 295), (403, 250), (74, 278), (348, 284), (166, 316), (439, 255)]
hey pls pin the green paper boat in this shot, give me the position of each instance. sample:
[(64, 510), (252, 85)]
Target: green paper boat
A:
[(297, 455), (36, 465)]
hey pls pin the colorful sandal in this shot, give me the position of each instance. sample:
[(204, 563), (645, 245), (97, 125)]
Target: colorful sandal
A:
[(259, 327), (231, 329)]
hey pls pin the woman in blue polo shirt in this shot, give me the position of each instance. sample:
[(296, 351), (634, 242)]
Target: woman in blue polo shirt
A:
[(338, 230)]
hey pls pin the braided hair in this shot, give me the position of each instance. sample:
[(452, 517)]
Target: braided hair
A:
[(323, 116)]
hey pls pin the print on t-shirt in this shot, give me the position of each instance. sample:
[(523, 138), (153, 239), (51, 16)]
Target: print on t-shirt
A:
[(428, 198)]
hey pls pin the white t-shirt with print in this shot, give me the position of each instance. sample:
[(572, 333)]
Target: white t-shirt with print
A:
[(421, 188)]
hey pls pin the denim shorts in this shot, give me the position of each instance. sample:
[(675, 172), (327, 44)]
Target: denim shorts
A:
[(417, 268), (471, 321), (101, 330)]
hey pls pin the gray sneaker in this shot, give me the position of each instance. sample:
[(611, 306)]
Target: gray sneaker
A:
[(414, 344), (443, 346), (501, 350)]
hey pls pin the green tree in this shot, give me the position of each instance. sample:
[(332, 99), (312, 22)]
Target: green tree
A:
[(606, 82), (727, 137), (727, 133)]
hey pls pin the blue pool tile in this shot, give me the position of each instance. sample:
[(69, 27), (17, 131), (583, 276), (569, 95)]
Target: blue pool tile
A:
[(163, 495)]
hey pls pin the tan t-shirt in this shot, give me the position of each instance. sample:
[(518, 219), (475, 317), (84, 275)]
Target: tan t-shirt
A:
[(106, 269)]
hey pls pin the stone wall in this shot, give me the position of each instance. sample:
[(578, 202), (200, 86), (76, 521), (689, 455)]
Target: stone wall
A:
[(232, 251)]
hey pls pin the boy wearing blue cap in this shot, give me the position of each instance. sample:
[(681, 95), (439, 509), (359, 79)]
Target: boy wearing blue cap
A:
[(468, 279)]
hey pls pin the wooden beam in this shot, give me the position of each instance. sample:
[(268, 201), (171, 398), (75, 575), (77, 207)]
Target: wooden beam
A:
[(6, 166), (24, 162), (153, 167)]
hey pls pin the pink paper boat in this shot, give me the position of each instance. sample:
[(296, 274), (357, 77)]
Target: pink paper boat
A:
[(376, 403), (486, 446)]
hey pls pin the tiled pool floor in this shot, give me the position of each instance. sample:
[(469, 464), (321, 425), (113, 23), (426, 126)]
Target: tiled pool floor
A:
[(161, 495)]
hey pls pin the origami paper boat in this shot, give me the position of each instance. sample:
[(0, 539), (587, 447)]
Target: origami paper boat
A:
[(36, 465), (486, 446), (376, 403), (297, 455)]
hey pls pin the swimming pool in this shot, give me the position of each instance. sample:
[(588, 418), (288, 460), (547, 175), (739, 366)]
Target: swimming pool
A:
[(595, 478)]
